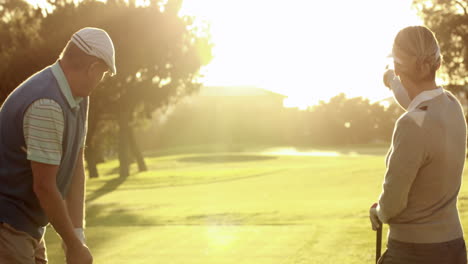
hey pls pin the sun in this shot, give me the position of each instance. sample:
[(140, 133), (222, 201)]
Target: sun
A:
[(306, 50)]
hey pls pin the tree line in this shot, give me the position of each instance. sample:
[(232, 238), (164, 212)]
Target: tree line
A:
[(158, 56), (351, 121), (226, 121)]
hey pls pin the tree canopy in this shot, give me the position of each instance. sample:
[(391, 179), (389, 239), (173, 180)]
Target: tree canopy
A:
[(449, 21), (158, 57)]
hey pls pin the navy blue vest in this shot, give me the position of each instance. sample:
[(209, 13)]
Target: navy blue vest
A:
[(19, 206)]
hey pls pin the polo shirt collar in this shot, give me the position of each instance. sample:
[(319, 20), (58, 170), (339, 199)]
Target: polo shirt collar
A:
[(424, 96), (64, 86)]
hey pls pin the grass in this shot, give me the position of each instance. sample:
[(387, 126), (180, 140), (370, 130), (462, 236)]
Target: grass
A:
[(242, 207)]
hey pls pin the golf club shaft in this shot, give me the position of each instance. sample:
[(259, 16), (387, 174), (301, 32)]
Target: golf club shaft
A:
[(378, 244)]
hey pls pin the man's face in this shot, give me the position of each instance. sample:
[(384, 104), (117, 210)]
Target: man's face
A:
[(94, 76)]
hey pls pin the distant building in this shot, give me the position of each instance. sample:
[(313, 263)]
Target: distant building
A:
[(221, 115), (257, 97)]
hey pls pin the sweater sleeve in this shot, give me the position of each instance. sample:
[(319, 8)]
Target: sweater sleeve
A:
[(407, 157)]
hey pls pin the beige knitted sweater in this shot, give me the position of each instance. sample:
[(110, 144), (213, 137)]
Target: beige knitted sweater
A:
[(424, 171)]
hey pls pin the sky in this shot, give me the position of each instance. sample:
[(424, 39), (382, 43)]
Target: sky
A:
[(307, 50)]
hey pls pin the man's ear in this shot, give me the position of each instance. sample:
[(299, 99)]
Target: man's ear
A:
[(93, 66), (98, 66)]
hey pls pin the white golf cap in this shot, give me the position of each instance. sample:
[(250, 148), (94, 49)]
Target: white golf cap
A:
[(96, 42)]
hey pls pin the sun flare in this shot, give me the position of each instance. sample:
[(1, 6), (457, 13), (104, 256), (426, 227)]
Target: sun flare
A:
[(308, 51), (220, 236)]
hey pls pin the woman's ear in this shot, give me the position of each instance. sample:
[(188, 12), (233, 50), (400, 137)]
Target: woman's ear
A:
[(397, 69)]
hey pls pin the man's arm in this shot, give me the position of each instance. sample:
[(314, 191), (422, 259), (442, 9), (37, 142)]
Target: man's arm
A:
[(50, 199), (43, 128), (45, 188), (43, 125), (76, 196)]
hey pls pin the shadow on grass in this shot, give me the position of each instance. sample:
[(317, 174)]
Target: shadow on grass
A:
[(110, 186), (171, 182), (98, 218), (111, 214), (115, 215), (226, 158), (113, 171)]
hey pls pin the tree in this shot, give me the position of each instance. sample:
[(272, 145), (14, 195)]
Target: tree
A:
[(351, 121), (449, 21), (158, 57), (19, 43)]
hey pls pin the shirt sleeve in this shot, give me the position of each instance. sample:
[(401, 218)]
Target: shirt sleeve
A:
[(43, 126), (407, 156)]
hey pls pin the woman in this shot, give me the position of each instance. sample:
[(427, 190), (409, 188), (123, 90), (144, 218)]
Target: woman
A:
[(425, 161)]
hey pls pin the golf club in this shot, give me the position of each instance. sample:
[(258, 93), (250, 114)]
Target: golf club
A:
[(378, 243)]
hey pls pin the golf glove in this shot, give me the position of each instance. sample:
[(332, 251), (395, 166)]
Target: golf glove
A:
[(80, 234), (374, 218)]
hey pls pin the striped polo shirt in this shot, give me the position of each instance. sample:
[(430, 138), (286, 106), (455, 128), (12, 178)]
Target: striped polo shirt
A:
[(43, 124)]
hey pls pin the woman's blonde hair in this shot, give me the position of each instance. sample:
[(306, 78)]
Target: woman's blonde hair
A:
[(417, 54)]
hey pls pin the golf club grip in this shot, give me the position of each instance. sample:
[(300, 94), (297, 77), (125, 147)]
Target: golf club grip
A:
[(378, 244)]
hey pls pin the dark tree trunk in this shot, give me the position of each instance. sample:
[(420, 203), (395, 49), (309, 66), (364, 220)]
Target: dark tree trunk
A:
[(466, 118), (124, 135), (91, 155), (91, 162), (136, 152)]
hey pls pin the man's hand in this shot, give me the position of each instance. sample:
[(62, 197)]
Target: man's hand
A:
[(388, 76), (78, 254), (81, 236), (374, 218)]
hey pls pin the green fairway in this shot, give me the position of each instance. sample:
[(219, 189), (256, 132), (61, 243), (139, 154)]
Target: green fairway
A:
[(249, 207)]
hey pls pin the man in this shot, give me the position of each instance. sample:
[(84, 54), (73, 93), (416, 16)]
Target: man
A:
[(42, 135)]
